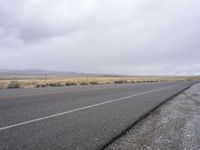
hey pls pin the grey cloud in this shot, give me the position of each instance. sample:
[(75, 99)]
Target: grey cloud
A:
[(105, 36)]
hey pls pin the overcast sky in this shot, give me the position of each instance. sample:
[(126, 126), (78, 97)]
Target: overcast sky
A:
[(101, 36)]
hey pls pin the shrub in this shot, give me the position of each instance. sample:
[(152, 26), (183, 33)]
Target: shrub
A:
[(55, 84), (13, 84), (40, 85), (70, 83), (107, 82), (67, 83), (52, 84), (139, 81), (83, 83), (1, 86), (73, 83), (93, 82), (60, 84), (120, 81)]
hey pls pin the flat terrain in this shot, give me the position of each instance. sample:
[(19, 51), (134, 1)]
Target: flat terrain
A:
[(30, 81), (174, 125), (77, 117)]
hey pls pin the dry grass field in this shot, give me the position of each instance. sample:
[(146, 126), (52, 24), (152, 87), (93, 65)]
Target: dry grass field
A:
[(32, 81)]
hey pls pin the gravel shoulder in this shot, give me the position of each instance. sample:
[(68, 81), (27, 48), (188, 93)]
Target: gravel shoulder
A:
[(174, 125)]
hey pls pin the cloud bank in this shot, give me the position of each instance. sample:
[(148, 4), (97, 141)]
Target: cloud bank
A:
[(101, 36)]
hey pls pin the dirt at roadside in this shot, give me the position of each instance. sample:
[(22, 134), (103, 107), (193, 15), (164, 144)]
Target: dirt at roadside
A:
[(173, 126)]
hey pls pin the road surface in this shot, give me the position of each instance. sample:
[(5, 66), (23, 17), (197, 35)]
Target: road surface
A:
[(77, 117)]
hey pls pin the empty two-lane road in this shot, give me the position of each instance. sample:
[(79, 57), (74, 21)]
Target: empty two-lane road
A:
[(79, 117)]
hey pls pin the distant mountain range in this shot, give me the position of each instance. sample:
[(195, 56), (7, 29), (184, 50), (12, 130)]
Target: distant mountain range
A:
[(30, 72), (38, 72)]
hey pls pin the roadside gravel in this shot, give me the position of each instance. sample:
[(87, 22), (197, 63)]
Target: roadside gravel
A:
[(173, 126)]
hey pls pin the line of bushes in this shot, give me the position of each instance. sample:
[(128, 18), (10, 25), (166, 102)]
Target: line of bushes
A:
[(13, 84), (120, 81), (70, 83), (16, 84)]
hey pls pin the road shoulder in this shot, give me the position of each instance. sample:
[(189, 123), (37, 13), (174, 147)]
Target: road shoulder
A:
[(174, 125)]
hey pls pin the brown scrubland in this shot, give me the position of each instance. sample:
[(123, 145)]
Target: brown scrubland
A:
[(36, 81)]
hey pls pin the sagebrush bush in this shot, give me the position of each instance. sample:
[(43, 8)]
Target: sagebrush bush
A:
[(60, 84), (93, 82), (83, 83), (70, 83), (55, 84), (39, 85), (52, 84), (120, 81), (67, 83), (108, 82), (1, 86), (139, 81), (13, 84), (73, 83)]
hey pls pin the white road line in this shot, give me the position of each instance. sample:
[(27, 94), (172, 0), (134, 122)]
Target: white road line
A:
[(78, 109)]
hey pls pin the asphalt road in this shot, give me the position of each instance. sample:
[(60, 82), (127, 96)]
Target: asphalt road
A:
[(78, 117)]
